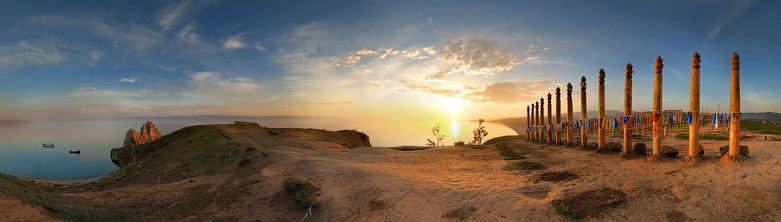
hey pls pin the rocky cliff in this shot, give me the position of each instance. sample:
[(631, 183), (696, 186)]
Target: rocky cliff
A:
[(148, 133)]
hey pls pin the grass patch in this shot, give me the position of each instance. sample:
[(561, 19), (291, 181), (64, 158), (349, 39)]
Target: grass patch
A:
[(707, 136), (251, 149), (528, 165), (508, 153), (591, 203), (504, 139), (410, 148), (301, 191), (760, 127), (563, 210), (557, 176), (70, 208), (244, 162)]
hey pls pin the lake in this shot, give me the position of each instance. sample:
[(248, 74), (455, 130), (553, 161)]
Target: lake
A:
[(22, 154)]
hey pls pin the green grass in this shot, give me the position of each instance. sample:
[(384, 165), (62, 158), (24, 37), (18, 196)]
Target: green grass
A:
[(301, 191), (760, 127), (528, 165), (244, 162), (563, 210)]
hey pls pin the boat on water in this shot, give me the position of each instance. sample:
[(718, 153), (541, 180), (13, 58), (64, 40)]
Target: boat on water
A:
[(75, 151), (48, 145)]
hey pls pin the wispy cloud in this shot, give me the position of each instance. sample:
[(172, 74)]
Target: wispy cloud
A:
[(130, 37), (260, 47), (212, 84), (24, 53), (234, 42), (173, 14), (512, 91), (738, 9), (128, 80), (94, 92)]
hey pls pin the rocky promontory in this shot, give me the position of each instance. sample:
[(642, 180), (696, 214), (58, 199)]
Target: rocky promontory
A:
[(148, 133)]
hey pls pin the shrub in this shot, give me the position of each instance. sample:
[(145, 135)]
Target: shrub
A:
[(251, 149), (563, 210), (527, 165), (244, 162), (301, 191)]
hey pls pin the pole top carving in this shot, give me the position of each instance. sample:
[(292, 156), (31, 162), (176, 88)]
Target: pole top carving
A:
[(583, 83), (602, 75), (527, 108), (629, 71), (659, 65), (558, 90), (549, 97), (696, 60), (735, 61)]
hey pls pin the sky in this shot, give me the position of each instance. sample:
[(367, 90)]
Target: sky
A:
[(373, 59)]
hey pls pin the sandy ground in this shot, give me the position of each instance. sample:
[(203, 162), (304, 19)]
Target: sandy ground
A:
[(12, 209), (475, 183)]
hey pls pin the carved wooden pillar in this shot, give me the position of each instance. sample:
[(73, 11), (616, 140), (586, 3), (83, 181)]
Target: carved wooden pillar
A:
[(569, 114), (557, 139), (542, 119), (583, 114), (601, 113), (627, 151), (657, 110), (549, 124), (536, 119), (528, 123), (734, 109), (694, 107)]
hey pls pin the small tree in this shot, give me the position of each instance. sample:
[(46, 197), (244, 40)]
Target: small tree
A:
[(479, 133), (438, 136)]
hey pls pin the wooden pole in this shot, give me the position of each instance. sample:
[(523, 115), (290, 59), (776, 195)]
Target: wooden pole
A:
[(549, 124), (601, 118), (583, 114), (542, 119), (734, 109), (557, 139), (694, 107), (569, 114), (628, 126), (657, 113), (536, 119), (528, 124)]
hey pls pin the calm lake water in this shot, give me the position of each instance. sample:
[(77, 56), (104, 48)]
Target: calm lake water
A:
[(21, 152)]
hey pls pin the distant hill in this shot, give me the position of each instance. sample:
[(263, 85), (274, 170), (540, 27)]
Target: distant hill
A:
[(762, 116), (13, 122)]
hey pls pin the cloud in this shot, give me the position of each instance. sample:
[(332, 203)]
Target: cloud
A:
[(355, 57), (473, 57), (123, 36), (129, 80), (172, 14), (260, 47), (211, 84), (513, 91), (234, 42), (736, 10), (93, 92), (23, 53), (438, 87)]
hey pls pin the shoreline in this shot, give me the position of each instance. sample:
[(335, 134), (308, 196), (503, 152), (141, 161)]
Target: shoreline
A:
[(56, 181)]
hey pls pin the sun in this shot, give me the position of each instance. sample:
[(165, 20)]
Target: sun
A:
[(451, 106)]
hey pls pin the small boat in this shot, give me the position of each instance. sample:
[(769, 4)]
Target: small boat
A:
[(48, 145), (75, 151)]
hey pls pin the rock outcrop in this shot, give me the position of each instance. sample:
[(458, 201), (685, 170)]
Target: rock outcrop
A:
[(148, 134)]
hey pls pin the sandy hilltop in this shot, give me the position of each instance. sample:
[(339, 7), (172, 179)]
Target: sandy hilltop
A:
[(239, 172)]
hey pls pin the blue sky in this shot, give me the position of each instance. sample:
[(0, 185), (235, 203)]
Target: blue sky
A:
[(371, 59)]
